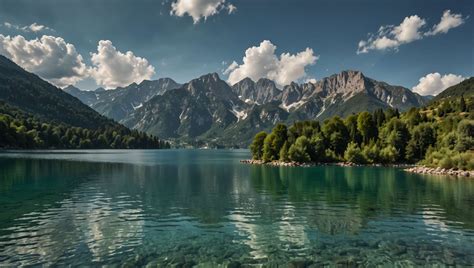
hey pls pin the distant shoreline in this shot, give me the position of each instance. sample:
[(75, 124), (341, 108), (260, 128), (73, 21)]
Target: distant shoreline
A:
[(313, 164), (406, 167)]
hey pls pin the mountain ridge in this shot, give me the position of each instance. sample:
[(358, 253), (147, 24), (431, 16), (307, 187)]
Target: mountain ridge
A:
[(226, 112), (208, 111), (120, 102)]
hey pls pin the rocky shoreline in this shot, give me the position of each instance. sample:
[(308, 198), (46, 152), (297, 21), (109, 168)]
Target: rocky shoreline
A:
[(406, 167), (312, 164), (441, 171)]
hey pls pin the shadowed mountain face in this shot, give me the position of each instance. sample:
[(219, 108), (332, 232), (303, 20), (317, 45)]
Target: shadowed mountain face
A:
[(208, 112), (121, 102), (260, 92), (200, 107), (31, 94)]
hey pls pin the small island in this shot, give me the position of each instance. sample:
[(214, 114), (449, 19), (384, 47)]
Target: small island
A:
[(435, 139)]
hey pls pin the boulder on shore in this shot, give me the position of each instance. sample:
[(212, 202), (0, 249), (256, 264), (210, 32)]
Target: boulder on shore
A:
[(441, 171)]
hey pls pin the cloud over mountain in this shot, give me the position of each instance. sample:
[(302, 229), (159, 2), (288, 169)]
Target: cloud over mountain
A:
[(113, 68), (49, 57), (57, 61), (409, 30), (198, 9), (434, 83), (262, 62)]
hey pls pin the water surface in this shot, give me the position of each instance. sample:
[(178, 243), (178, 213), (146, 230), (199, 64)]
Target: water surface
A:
[(202, 207)]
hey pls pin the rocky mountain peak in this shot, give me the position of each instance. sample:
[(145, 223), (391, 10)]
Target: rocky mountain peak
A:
[(71, 88), (159, 86), (260, 92), (246, 80), (210, 84), (345, 82), (210, 77), (291, 93), (265, 82)]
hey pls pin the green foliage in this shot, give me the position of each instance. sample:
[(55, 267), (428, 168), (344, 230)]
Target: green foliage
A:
[(389, 155), (366, 126), (33, 95), (269, 152), (371, 153), (351, 125), (21, 130), (299, 150), (317, 148), (462, 105), (257, 145), (391, 113), (464, 89), (465, 133), (422, 137), (337, 134), (284, 156), (382, 137), (446, 158), (281, 135), (353, 154), (379, 117), (395, 134)]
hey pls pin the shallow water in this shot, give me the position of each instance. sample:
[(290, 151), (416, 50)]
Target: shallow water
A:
[(202, 207)]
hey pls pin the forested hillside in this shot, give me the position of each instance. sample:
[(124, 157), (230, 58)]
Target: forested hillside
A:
[(21, 130), (441, 134), (465, 89), (31, 94), (37, 115)]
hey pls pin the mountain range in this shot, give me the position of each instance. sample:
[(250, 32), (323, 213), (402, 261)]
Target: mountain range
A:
[(123, 101), (207, 111)]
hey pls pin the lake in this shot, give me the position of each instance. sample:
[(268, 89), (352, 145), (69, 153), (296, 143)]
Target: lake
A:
[(203, 207)]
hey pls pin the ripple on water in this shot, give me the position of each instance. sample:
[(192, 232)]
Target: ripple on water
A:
[(117, 214)]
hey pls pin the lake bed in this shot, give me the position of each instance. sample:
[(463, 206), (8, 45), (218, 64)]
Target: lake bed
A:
[(205, 208)]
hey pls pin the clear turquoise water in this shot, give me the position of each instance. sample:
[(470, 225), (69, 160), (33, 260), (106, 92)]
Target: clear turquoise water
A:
[(202, 207)]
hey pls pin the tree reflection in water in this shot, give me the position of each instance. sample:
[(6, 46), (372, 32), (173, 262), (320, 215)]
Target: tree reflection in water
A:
[(67, 212)]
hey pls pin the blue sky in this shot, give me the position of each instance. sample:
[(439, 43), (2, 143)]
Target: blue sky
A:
[(179, 48)]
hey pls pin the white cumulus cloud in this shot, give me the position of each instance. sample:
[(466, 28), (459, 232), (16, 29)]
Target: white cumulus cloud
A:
[(391, 37), (409, 30), (262, 62), (199, 9), (113, 68), (435, 83), (448, 21), (49, 57)]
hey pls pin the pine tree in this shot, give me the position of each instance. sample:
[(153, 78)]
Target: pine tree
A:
[(462, 104)]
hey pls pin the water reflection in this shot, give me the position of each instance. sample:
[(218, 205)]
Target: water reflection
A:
[(211, 211)]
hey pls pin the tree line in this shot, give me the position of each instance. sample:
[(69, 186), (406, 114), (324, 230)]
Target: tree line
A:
[(21, 130), (441, 134)]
